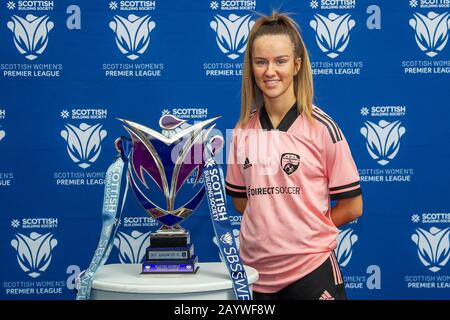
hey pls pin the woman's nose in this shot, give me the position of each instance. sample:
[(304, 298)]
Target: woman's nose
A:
[(270, 69)]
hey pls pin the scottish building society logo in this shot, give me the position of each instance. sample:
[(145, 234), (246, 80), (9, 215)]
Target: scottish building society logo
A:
[(30, 34), (383, 139), (132, 34), (131, 246), (433, 247), (332, 32), (232, 33), (34, 252), (431, 31), (84, 143)]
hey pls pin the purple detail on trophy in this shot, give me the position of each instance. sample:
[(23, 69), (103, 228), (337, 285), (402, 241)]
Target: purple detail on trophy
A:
[(143, 160), (170, 122), (216, 143)]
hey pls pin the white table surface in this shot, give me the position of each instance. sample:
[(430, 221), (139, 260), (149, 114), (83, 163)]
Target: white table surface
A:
[(211, 279)]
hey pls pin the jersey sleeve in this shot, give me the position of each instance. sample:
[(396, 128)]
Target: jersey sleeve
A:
[(234, 181), (343, 177)]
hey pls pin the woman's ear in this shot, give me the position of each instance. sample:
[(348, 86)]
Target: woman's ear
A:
[(297, 65)]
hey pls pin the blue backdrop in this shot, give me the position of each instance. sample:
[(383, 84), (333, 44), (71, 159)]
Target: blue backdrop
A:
[(69, 68)]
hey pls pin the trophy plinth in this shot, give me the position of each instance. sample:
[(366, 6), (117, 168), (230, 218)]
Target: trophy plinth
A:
[(170, 253)]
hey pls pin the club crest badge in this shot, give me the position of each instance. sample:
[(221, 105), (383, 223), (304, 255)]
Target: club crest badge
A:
[(290, 162)]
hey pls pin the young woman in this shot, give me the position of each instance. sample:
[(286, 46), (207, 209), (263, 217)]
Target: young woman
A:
[(288, 231)]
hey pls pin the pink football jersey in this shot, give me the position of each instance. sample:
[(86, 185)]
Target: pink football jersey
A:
[(288, 176)]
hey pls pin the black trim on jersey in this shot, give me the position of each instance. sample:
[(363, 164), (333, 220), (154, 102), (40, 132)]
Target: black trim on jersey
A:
[(284, 124), (235, 194), (235, 187), (334, 124), (346, 195), (333, 130), (345, 187)]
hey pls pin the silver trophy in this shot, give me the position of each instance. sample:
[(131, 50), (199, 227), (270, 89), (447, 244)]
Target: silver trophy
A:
[(164, 174)]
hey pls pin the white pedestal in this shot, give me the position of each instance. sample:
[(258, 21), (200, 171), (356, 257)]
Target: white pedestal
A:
[(124, 282)]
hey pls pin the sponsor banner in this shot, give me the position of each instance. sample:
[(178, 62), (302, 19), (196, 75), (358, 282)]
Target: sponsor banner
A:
[(333, 22), (83, 133), (429, 21), (383, 136), (430, 240), (34, 242), (230, 26), (131, 26), (32, 25)]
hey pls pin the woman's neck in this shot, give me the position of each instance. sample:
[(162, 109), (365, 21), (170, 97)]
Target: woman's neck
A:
[(278, 109)]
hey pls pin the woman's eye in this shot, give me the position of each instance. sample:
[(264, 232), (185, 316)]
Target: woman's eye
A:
[(281, 61), (260, 62)]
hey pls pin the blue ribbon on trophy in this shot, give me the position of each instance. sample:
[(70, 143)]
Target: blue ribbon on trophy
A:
[(162, 162), (110, 216)]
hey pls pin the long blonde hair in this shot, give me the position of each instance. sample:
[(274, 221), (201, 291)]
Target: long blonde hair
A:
[(276, 24)]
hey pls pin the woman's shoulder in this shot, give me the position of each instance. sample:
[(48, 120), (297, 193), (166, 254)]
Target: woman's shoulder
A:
[(316, 111), (327, 124), (249, 124)]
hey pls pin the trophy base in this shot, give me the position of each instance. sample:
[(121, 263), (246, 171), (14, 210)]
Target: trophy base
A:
[(170, 266), (164, 239)]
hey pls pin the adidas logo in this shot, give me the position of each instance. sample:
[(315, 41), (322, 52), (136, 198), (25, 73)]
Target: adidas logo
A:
[(247, 164), (326, 296)]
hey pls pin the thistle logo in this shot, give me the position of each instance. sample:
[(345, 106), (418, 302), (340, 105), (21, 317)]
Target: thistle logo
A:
[(131, 247), (214, 5), (236, 240), (431, 31), (65, 114), (433, 247), (344, 250), (132, 34), (232, 33), (15, 223), (227, 238), (332, 33), (383, 140), (34, 253), (84, 143), (11, 5), (30, 34)]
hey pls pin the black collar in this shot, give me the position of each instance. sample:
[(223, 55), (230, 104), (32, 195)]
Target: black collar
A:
[(285, 123)]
